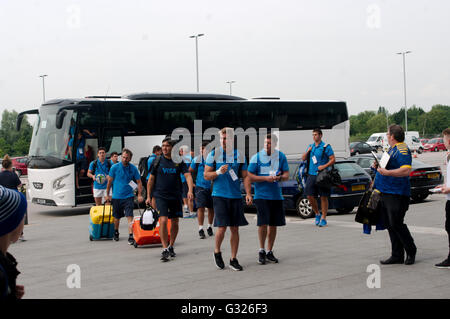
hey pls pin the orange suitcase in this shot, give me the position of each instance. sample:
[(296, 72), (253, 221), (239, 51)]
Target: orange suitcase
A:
[(147, 237)]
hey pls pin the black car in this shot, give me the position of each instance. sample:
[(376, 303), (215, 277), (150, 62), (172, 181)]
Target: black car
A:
[(360, 148), (423, 177), (343, 198)]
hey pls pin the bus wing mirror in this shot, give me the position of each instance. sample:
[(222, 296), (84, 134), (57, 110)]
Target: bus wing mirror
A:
[(60, 119), (21, 115)]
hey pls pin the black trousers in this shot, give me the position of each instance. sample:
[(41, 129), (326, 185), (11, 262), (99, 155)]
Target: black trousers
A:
[(393, 208), (447, 224)]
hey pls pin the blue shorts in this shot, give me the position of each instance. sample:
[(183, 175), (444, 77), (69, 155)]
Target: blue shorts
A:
[(123, 207), (81, 164), (270, 212), (311, 189), (171, 208), (228, 212), (203, 197)]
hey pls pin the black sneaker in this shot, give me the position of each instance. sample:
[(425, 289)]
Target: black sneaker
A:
[(234, 264), (172, 252), (219, 261), (116, 235), (262, 257), (210, 231), (130, 239), (201, 233), (443, 265), (271, 257), (165, 255)]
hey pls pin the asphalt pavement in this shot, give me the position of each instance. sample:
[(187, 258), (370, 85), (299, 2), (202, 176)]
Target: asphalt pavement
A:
[(338, 261)]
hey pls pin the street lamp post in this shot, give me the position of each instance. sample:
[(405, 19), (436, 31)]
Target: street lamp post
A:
[(230, 83), (404, 87), (43, 86), (196, 36)]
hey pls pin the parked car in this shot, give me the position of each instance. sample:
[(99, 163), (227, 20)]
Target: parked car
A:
[(423, 177), (361, 148), (20, 165), (435, 144), (344, 198)]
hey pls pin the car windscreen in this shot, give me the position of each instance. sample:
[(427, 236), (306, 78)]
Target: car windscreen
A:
[(348, 169)]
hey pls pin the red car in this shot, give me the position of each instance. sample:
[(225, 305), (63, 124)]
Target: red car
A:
[(435, 144), (424, 141), (20, 165)]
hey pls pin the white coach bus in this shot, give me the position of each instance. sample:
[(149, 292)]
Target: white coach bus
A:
[(140, 121)]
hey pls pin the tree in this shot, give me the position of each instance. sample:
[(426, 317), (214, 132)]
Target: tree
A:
[(13, 142)]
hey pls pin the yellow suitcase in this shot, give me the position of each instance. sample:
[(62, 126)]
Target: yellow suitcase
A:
[(102, 222)]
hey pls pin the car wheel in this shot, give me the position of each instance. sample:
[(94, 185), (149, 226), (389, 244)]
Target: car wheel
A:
[(420, 150), (304, 208), (418, 198), (344, 210)]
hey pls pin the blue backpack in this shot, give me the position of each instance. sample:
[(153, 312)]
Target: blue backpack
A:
[(302, 174)]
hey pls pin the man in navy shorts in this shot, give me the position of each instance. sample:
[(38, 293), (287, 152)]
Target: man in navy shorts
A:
[(165, 185), (124, 178), (266, 169), (320, 156), (203, 196), (224, 168)]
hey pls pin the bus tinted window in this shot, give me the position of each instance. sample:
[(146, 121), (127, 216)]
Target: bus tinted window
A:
[(308, 115)]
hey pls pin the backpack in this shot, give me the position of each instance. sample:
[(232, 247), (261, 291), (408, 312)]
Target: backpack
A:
[(149, 219), (143, 167)]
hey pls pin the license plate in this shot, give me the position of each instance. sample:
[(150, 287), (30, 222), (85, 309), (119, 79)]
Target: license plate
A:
[(433, 176), (358, 188)]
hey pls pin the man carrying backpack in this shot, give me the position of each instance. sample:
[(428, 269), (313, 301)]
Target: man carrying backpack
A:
[(224, 169), (98, 171), (320, 156), (165, 185)]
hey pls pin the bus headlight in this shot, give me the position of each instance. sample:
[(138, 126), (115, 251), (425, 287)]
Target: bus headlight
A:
[(57, 184)]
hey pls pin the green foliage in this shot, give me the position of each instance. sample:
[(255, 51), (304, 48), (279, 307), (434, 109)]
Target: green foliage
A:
[(12, 142), (430, 123)]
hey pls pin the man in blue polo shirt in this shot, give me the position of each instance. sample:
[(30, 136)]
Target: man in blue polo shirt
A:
[(266, 169), (224, 169), (124, 178), (203, 196), (320, 157), (98, 171), (393, 183)]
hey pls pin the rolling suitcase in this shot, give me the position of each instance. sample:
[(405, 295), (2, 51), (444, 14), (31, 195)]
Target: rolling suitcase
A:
[(102, 223), (146, 237)]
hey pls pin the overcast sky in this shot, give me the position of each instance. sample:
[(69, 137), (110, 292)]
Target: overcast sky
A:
[(294, 49)]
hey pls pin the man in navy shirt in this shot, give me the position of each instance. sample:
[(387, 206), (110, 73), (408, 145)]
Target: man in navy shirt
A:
[(165, 185), (224, 169), (124, 178), (266, 169), (320, 156), (393, 183), (203, 196)]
